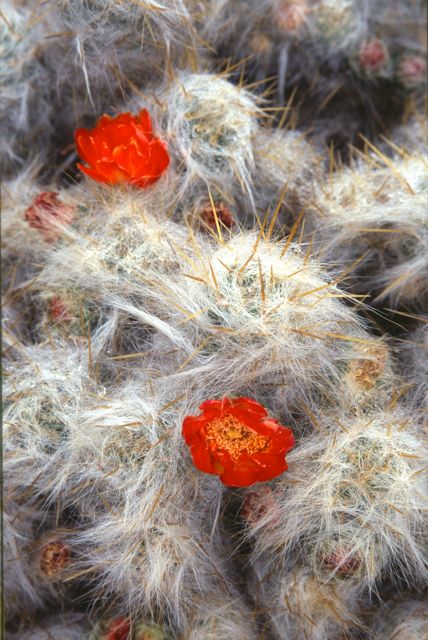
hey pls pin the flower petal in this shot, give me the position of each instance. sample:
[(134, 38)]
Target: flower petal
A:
[(144, 123), (238, 477)]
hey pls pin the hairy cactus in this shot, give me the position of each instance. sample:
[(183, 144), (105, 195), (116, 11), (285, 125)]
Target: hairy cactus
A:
[(405, 618), (375, 214), (356, 503), (214, 374)]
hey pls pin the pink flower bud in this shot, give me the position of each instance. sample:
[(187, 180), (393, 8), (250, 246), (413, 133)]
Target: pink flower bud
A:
[(412, 71), (373, 56), (341, 561), (47, 214), (224, 216), (59, 310), (258, 504)]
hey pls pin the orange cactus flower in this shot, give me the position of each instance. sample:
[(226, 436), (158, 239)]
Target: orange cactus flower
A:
[(235, 439), (122, 149)]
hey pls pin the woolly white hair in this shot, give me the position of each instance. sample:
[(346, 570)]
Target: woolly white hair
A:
[(24, 252), (148, 536), (377, 216), (414, 358), (251, 316), (326, 28), (209, 123), (300, 605), (124, 313), (312, 47), (82, 57), (65, 626), (117, 43), (24, 591), (223, 619), (286, 168), (25, 85), (405, 618), (354, 501), (43, 388), (410, 136)]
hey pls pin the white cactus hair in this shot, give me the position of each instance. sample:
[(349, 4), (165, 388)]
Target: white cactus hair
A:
[(22, 71), (261, 265), (413, 355), (83, 57), (210, 124), (287, 168), (68, 626), (299, 605), (359, 488), (101, 27), (144, 538), (377, 216), (234, 294), (403, 617)]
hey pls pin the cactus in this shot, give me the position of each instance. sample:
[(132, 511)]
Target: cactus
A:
[(375, 214), (197, 287)]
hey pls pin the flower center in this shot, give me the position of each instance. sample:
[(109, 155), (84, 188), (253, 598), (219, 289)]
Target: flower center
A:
[(230, 434)]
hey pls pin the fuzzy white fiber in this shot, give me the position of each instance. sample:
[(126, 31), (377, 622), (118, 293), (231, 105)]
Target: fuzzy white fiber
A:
[(261, 263), (354, 501), (72, 626), (376, 216), (405, 618)]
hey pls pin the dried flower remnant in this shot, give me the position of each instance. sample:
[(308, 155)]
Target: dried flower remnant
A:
[(366, 370), (235, 439), (223, 214), (54, 557), (373, 56), (261, 44), (290, 16), (47, 214), (118, 629), (122, 150), (341, 561), (257, 504), (412, 71), (59, 310)]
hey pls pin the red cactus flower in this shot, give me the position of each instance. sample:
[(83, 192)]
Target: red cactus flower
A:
[(373, 55), (224, 216), (48, 214), (122, 149), (412, 71), (54, 556), (119, 629), (235, 439)]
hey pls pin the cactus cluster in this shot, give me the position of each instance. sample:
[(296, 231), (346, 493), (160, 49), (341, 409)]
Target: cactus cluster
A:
[(228, 266)]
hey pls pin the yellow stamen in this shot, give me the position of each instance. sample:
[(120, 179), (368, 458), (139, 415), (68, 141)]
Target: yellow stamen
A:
[(233, 436)]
